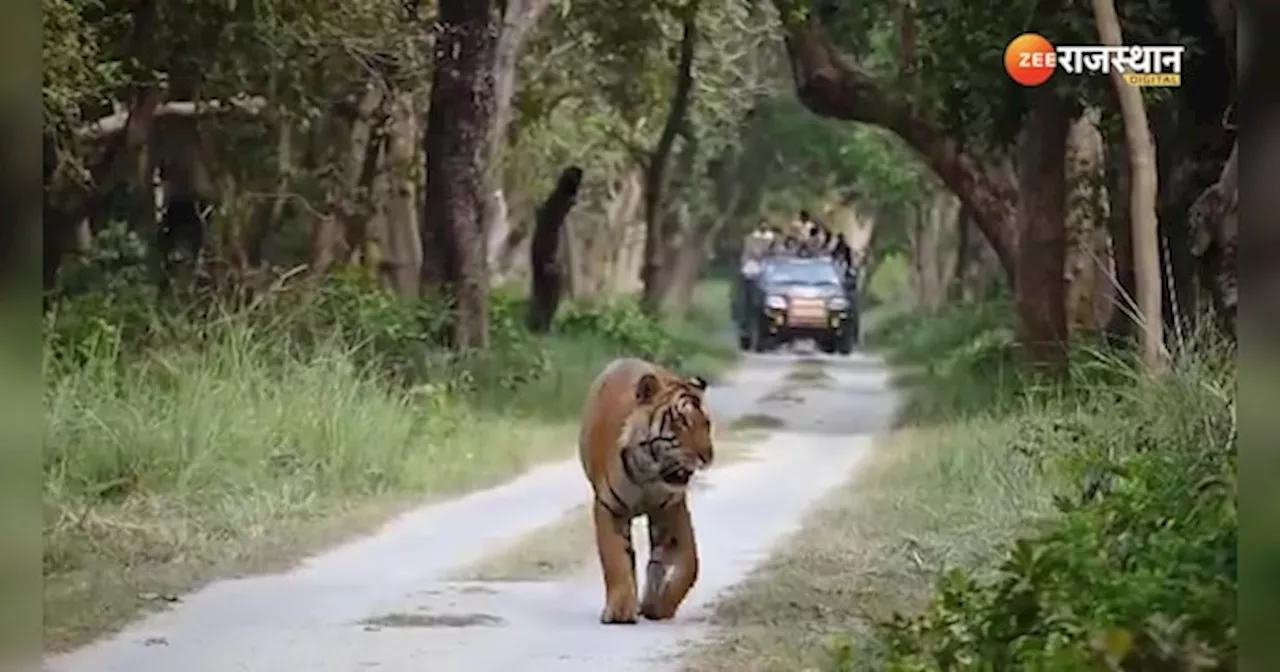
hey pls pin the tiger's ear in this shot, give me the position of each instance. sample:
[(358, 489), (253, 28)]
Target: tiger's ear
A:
[(646, 388), (698, 383)]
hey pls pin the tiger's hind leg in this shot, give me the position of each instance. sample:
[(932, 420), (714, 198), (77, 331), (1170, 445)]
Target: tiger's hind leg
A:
[(618, 562), (673, 552)]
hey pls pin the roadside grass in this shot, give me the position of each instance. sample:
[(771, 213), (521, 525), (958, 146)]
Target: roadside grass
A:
[(181, 450), (197, 464), (999, 502), (925, 499)]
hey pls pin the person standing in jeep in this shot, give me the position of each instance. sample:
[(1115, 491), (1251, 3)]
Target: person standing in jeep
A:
[(842, 253), (757, 246), (810, 235)]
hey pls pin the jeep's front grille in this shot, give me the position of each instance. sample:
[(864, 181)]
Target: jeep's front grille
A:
[(807, 312)]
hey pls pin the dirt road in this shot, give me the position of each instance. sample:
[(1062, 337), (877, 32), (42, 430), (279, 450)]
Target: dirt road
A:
[(386, 602)]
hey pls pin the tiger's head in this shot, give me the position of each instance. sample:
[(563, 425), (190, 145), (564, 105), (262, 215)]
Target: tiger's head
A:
[(667, 437)]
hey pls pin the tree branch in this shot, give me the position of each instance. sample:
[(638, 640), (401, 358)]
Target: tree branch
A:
[(113, 124), (655, 173), (831, 88)]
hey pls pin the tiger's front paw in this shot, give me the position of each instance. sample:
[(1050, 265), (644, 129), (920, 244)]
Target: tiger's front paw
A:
[(620, 608)]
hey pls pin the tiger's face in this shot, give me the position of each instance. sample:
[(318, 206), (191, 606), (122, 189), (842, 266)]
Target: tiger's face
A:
[(670, 433)]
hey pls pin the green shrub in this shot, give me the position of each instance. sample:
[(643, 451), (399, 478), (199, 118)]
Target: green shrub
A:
[(621, 322), (958, 362), (1138, 569), (402, 340)]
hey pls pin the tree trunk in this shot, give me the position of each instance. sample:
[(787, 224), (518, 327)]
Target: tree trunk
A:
[(363, 223), (960, 268), (934, 220), (1214, 222), (244, 245), (402, 260), (678, 236), (340, 230), (459, 128), (684, 269), (655, 178), (1039, 292), (518, 18), (829, 88), (1142, 166), (624, 248), (915, 241), (547, 268), (1213, 217), (1121, 327), (983, 272), (1088, 261), (179, 204)]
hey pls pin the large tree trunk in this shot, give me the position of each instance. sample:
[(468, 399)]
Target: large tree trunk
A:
[(546, 265), (684, 268), (340, 231), (459, 127), (1039, 291), (982, 270), (831, 89), (402, 259), (518, 18), (655, 178), (935, 220), (1142, 166), (625, 248), (1088, 259), (684, 234)]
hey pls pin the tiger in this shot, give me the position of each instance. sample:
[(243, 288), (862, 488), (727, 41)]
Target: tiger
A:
[(645, 432)]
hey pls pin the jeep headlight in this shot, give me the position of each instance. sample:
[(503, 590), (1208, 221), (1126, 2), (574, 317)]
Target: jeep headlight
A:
[(838, 303), (776, 302)]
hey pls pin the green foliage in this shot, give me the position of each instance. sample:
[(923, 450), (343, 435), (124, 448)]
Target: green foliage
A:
[(1142, 577), (959, 362), (400, 340), (960, 77), (1138, 569), (622, 322), (793, 159), (803, 150), (72, 60), (890, 284)]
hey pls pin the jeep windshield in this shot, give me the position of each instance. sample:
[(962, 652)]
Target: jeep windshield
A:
[(801, 273)]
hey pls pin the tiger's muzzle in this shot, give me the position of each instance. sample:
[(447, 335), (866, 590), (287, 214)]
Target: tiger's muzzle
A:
[(677, 475)]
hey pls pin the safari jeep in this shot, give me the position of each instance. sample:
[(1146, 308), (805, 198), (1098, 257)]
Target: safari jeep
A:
[(796, 298)]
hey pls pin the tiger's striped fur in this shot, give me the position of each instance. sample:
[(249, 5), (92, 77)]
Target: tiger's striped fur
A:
[(645, 432)]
